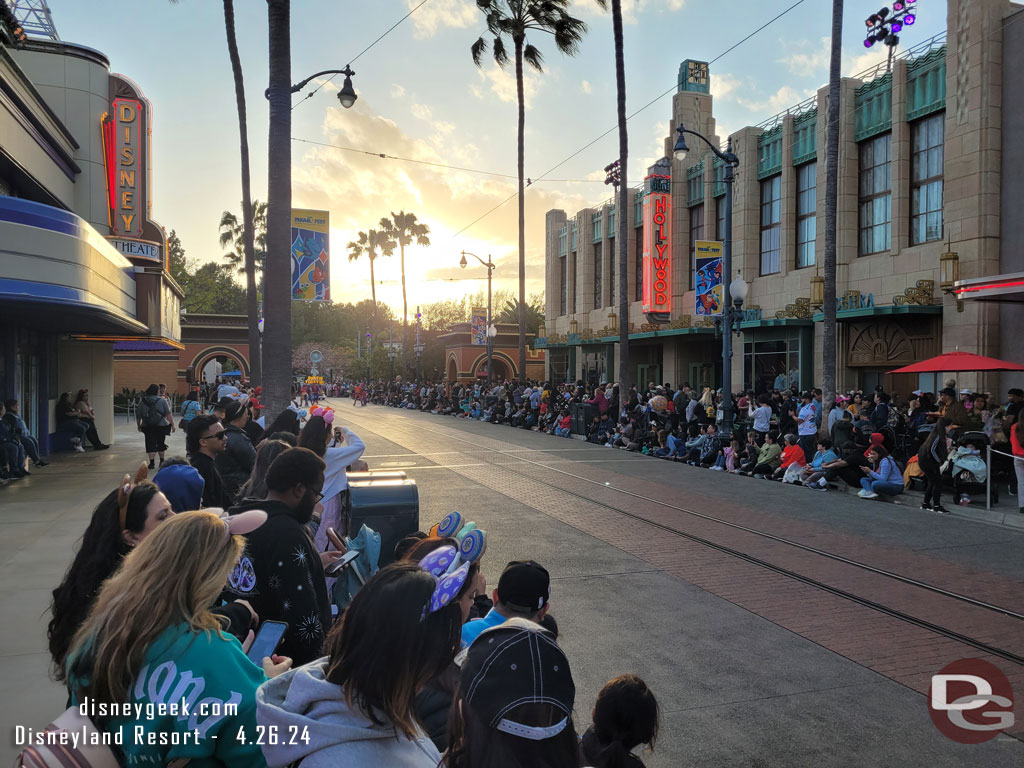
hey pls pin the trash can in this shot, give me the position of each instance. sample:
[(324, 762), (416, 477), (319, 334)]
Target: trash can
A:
[(580, 417), (387, 502)]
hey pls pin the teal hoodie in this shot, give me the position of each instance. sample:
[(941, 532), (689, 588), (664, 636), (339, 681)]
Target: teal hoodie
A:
[(204, 676)]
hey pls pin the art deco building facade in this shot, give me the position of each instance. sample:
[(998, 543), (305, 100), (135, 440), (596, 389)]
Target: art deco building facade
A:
[(929, 169)]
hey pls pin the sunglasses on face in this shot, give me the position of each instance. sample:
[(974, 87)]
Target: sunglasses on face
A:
[(216, 435)]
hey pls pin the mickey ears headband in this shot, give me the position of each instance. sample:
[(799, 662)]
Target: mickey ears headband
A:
[(124, 492), (325, 413), (240, 524), (472, 540)]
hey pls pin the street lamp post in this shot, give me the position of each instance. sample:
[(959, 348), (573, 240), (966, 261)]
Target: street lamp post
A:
[(729, 314), (347, 95), (490, 322)]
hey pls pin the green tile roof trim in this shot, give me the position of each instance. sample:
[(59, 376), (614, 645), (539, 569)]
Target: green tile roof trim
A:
[(769, 152), (872, 107), (805, 137), (926, 84)]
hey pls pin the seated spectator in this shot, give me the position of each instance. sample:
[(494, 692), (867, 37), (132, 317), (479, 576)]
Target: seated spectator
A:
[(564, 422), (235, 462), (181, 483), (358, 703), (17, 424), (151, 639), (848, 468), (281, 573), (704, 449), (813, 474), (626, 716), (791, 462), (206, 439), (68, 422), (120, 522), (883, 477), (256, 486), (501, 716), (524, 591), (768, 457), (12, 452), (88, 416)]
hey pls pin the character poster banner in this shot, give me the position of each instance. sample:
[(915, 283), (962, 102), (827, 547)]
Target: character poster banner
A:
[(710, 291), (311, 259), (478, 325)]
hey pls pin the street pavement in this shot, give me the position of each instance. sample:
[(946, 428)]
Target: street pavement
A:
[(751, 667)]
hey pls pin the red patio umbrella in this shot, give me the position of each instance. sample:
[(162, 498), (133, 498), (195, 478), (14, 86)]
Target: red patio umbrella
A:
[(952, 362)]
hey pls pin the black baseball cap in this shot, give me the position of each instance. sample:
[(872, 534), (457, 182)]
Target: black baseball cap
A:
[(516, 663), (524, 586)]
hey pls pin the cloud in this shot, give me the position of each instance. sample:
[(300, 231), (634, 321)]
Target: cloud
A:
[(723, 85), (397, 91), (439, 14), (809, 59), (787, 96), (585, 85), (502, 83), (420, 111), (631, 9), (359, 189)]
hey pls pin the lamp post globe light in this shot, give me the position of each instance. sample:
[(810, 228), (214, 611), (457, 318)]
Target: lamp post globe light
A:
[(491, 330), (736, 291)]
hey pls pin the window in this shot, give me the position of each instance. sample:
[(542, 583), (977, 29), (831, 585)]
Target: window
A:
[(597, 276), (875, 195), (771, 225), (720, 218), (575, 263), (696, 233), (806, 213), (638, 289), (926, 140), (612, 257), (563, 301)]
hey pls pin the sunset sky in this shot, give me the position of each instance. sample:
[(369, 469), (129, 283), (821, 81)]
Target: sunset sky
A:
[(422, 98)]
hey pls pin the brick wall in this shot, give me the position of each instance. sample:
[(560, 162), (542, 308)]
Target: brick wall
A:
[(138, 374)]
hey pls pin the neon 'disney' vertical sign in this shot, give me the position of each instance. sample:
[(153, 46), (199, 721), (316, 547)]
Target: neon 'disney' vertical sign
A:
[(657, 286)]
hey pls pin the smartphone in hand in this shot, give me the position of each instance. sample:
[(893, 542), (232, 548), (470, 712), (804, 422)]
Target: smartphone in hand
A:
[(341, 562), (267, 639)]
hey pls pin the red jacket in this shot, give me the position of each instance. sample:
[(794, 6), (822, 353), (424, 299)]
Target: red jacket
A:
[(793, 454), (1018, 449)]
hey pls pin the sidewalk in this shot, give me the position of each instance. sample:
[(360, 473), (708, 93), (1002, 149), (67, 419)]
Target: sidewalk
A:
[(42, 519)]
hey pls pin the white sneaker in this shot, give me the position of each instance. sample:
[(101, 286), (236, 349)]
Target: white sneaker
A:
[(870, 495), (862, 493), (79, 448)]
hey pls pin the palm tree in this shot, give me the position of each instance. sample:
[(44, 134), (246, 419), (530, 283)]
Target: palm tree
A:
[(512, 312), (277, 300), (368, 244), (514, 19), (625, 375), (232, 234), (828, 347), (404, 228)]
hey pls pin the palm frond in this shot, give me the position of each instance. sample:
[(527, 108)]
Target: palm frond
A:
[(477, 50), (533, 57), (569, 34), (500, 54)]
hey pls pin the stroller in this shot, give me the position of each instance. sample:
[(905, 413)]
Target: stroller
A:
[(968, 470)]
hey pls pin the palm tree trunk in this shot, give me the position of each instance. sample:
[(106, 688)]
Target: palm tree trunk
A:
[(621, 213), (373, 293), (277, 301), (405, 313), (522, 211), (248, 234), (828, 351)]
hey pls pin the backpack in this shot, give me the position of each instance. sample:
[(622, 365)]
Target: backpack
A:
[(149, 415)]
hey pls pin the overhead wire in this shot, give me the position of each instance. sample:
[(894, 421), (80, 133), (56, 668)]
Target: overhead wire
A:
[(353, 60)]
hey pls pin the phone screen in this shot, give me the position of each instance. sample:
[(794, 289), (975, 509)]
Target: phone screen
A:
[(267, 639), (341, 562)]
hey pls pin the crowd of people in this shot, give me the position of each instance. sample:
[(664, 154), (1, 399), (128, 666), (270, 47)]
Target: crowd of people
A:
[(875, 442), (415, 665)]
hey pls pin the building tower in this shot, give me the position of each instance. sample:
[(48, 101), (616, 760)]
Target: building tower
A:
[(35, 18)]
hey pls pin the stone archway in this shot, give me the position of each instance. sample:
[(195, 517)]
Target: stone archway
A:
[(213, 352)]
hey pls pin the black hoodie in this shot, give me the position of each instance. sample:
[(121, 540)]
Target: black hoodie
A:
[(281, 576)]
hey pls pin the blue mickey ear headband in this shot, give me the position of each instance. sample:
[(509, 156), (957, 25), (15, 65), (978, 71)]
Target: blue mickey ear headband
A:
[(439, 564), (472, 540)]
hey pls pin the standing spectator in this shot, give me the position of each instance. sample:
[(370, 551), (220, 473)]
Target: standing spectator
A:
[(806, 423), (930, 458), (236, 462), (153, 416), (358, 703), (68, 421), (207, 439), (1014, 404), (625, 716), (502, 717), (1017, 446), (88, 416), (339, 449), (256, 486), (762, 416), (31, 445), (152, 628), (281, 573), (189, 410)]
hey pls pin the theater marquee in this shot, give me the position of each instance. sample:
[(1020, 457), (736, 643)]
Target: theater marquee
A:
[(657, 275)]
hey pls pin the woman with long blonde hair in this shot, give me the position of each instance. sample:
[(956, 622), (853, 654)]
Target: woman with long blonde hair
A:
[(153, 656)]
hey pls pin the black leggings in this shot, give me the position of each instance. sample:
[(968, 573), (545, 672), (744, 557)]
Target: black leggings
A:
[(154, 439), (932, 484)]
